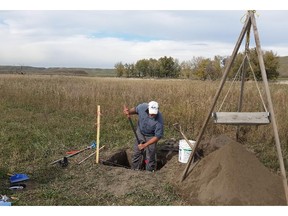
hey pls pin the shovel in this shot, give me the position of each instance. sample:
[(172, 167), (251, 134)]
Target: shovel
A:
[(137, 138), (64, 161)]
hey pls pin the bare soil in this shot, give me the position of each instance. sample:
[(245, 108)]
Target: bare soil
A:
[(228, 174)]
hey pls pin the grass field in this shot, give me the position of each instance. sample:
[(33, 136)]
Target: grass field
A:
[(42, 117), (283, 70)]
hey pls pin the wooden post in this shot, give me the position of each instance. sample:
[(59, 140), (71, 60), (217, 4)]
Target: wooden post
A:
[(98, 134), (270, 104), (229, 65)]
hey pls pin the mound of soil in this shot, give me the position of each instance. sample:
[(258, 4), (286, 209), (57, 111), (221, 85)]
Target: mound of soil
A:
[(230, 175)]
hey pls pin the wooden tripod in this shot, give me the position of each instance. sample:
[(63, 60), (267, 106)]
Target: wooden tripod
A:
[(250, 21)]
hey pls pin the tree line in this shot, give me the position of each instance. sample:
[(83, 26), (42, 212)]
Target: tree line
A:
[(199, 68)]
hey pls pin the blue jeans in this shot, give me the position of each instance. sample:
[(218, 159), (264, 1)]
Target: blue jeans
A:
[(148, 155)]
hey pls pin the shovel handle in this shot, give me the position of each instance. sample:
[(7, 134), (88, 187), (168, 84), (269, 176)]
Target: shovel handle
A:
[(134, 131), (71, 155), (131, 124)]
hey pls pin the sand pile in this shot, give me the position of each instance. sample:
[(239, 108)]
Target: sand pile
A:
[(230, 175)]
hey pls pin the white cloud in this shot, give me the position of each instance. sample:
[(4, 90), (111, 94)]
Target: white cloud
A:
[(103, 38)]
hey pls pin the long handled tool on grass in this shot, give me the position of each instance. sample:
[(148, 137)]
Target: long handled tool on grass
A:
[(89, 156), (65, 159)]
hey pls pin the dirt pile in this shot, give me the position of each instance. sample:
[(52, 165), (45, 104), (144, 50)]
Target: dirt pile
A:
[(230, 175)]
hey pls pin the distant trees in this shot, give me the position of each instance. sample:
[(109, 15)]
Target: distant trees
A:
[(163, 67), (202, 68), (120, 69), (198, 67), (168, 67), (271, 61)]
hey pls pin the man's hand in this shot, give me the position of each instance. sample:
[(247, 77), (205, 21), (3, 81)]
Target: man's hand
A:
[(126, 111), (141, 146)]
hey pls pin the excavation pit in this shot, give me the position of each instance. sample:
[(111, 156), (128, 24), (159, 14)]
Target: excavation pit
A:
[(119, 159), (165, 152)]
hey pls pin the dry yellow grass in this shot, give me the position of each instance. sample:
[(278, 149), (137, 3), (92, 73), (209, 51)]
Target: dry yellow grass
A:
[(184, 101)]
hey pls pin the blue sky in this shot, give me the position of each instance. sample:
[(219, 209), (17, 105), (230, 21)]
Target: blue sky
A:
[(72, 36)]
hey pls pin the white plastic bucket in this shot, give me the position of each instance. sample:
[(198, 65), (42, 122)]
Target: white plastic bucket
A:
[(185, 150)]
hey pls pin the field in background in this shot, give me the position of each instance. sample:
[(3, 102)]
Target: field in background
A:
[(42, 117), (27, 70), (98, 72)]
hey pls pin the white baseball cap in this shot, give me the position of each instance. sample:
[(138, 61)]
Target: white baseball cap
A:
[(153, 107)]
